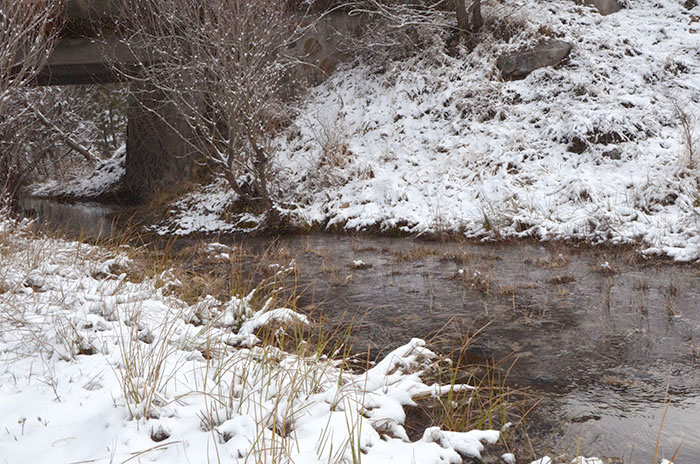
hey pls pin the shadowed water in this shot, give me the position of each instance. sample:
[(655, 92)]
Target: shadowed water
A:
[(78, 220), (602, 333)]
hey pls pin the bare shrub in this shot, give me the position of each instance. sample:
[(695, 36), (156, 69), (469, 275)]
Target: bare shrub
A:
[(396, 29), (28, 30), (332, 140), (688, 122), (60, 132), (504, 23), (223, 66)]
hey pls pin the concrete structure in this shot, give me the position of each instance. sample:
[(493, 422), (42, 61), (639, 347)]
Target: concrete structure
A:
[(85, 17), (156, 153), (79, 61)]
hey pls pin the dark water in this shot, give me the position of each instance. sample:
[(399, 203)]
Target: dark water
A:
[(602, 333), (78, 220), (602, 342)]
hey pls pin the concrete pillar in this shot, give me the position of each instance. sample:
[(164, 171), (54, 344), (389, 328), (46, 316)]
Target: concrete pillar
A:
[(158, 156), (89, 18)]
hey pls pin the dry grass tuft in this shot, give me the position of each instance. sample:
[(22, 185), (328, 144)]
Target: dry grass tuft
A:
[(490, 404), (474, 280)]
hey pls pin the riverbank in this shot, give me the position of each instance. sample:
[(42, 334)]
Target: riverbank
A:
[(103, 361), (592, 149), (591, 332)]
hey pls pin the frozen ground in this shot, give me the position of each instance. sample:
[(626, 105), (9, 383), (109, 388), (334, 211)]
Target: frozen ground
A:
[(439, 143), (97, 368)]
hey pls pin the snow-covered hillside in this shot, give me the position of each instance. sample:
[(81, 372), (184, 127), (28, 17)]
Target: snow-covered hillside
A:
[(591, 149)]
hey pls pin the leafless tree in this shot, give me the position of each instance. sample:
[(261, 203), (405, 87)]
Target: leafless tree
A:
[(28, 29), (223, 65)]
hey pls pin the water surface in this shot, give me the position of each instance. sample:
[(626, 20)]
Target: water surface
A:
[(610, 339)]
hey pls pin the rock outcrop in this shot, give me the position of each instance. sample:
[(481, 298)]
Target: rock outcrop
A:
[(518, 65), (604, 7)]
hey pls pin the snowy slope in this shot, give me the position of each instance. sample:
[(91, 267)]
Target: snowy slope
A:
[(103, 181), (440, 143)]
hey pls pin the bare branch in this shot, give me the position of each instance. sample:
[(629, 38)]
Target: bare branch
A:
[(28, 30), (66, 138), (223, 65)]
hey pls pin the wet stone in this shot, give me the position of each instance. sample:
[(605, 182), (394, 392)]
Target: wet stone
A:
[(159, 434)]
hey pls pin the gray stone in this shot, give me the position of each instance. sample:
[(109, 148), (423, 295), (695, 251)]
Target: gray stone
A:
[(613, 154), (518, 65), (604, 7)]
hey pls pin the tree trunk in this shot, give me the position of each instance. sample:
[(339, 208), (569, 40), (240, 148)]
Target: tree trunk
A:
[(462, 16), (475, 19), (469, 20)]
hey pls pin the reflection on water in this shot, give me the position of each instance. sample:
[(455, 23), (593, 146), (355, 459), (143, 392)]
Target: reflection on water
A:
[(614, 428), (87, 219), (601, 333)]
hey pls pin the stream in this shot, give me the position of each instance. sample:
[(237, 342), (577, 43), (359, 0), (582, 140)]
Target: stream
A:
[(609, 339)]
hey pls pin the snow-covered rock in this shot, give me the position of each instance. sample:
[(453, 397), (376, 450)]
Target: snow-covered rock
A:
[(518, 65)]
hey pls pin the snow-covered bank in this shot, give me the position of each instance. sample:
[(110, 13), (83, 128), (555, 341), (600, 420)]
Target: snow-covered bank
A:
[(97, 368), (103, 182), (592, 149)]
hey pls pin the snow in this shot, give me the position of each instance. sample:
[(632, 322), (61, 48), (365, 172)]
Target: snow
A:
[(104, 179), (203, 211), (544, 460), (439, 143), (95, 367), (582, 460)]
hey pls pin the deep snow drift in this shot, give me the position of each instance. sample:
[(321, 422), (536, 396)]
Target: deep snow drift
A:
[(592, 149)]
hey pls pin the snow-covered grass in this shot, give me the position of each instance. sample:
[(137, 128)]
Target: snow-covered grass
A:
[(440, 143), (98, 364)]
